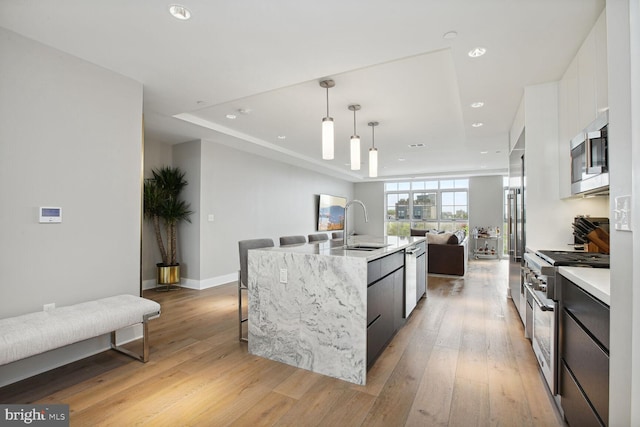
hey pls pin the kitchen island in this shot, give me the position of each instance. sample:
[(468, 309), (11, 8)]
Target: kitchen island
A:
[(315, 305)]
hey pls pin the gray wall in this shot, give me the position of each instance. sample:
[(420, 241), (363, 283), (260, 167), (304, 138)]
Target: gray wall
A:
[(71, 137), (188, 157), (486, 206), (372, 195), (250, 197), (156, 155)]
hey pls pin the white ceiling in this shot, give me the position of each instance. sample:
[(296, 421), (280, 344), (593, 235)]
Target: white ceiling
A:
[(267, 58)]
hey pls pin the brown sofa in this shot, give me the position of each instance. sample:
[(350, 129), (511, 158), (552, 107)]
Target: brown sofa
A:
[(447, 253)]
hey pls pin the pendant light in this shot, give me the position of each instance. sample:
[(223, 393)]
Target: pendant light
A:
[(327, 125), (355, 141), (373, 152)]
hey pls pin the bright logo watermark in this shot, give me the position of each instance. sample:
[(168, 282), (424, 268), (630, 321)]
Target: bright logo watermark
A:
[(34, 415)]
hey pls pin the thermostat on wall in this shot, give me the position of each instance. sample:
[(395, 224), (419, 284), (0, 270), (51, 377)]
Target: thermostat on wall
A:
[(50, 215)]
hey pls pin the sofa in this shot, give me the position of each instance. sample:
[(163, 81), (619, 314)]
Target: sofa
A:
[(448, 252)]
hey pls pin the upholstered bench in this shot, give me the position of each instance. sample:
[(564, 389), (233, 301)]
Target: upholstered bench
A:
[(34, 333)]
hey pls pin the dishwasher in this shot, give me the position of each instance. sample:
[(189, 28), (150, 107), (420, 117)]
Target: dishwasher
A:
[(415, 283)]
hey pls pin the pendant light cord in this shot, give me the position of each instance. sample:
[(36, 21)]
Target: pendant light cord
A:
[(373, 137), (354, 122), (327, 101)]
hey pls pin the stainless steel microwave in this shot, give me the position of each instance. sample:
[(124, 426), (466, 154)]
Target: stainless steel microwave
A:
[(590, 158)]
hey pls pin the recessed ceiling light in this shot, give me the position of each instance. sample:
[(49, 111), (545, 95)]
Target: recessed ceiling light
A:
[(450, 35), (282, 137), (231, 116), (401, 159), (179, 12), (477, 52), (484, 152), (478, 104), (477, 124)]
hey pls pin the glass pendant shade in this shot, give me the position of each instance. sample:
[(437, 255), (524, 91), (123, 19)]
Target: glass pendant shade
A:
[(373, 162), (355, 153), (327, 138)]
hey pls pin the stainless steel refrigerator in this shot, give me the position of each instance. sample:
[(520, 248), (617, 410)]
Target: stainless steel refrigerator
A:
[(516, 224)]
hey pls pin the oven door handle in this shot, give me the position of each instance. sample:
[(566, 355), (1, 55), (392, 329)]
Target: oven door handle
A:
[(538, 301)]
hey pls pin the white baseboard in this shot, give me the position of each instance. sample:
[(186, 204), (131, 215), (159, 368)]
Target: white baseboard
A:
[(197, 284)]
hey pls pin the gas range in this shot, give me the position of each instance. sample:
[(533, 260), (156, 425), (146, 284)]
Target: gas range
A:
[(575, 259), (540, 288), (543, 265)]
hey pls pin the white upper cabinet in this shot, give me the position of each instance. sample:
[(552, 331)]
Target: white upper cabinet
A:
[(587, 81), (583, 95), (602, 84), (568, 111)]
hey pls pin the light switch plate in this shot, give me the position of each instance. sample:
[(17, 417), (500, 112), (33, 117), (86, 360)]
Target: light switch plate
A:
[(283, 275), (622, 213)]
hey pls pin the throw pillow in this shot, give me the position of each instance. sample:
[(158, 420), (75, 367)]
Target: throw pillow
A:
[(453, 240), (438, 239)]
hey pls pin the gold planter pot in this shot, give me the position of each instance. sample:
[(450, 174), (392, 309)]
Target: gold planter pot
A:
[(167, 277)]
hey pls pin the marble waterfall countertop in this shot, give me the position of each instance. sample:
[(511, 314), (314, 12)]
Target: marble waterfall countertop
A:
[(308, 304), (595, 281)]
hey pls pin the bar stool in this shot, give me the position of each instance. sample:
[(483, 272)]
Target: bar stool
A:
[(292, 240), (320, 237)]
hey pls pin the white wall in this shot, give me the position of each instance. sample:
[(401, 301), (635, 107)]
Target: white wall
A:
[(250, 197), (623, 37), (548, 218), (70, 136)]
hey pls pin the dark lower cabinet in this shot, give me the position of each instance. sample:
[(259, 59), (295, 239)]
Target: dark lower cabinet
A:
[(398, 299), (584, 351), (385, 302), (576, 408), (380, 317)]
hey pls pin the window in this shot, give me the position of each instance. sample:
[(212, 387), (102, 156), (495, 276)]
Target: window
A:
[(427, 204)]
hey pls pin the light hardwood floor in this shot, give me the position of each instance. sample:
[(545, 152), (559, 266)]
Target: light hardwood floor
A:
[(461, 360)]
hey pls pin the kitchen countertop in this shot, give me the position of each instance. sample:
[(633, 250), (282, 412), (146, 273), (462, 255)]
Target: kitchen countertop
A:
[(595, 281), (335, 247)]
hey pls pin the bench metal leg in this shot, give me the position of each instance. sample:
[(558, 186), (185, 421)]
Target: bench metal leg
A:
[(144, 357)]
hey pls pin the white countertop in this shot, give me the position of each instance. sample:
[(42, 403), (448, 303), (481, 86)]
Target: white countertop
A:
[(335, 247), (595, 281)]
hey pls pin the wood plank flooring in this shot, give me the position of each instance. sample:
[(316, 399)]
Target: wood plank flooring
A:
[(461, 360)]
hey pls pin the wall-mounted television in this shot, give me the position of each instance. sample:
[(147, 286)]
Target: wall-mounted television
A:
[(331, 212)]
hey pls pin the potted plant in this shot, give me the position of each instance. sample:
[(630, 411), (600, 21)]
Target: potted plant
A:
[(164, 208)]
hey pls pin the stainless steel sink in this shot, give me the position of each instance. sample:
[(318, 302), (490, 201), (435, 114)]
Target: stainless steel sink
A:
[(366, 246)]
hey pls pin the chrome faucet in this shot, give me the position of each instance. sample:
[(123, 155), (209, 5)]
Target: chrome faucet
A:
[(345, 237)]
